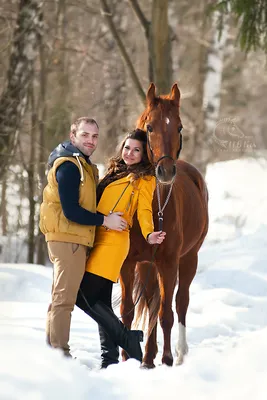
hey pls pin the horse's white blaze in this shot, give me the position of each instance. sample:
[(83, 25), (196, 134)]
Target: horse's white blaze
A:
[(181, 348), (167, 121)]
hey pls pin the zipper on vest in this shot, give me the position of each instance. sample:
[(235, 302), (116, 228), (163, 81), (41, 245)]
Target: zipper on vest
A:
[(128, 205)]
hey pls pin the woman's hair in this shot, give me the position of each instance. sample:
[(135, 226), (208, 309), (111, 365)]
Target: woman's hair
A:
[(141, 169)]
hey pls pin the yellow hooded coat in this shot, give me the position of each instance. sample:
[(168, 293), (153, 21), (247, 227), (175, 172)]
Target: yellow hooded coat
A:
[(111, 247)]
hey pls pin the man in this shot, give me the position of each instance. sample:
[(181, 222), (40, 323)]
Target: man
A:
[(68, 219)]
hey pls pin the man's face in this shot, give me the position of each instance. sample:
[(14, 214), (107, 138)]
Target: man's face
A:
[(86, 138)]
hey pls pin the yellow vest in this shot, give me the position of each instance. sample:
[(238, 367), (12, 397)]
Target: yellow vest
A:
[(53, 223)]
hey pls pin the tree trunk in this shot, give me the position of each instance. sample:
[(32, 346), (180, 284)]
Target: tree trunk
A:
[(60, 120), (3, 207), (213, 81), (14, 98), (31, 182), (198, 139), (160, 46), (124, 54), (41, 248), (114, 92)]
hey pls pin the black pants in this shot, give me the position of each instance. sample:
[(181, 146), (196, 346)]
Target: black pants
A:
[(94, 288)]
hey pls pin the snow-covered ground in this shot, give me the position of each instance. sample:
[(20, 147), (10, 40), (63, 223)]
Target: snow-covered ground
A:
[(227, 317)]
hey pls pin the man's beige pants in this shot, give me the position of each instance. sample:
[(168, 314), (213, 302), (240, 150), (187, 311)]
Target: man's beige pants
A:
[(69, 261)]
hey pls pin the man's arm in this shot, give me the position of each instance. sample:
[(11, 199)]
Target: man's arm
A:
[(68, 178)]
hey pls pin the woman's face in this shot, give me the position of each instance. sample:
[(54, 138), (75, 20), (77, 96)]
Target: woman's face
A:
[(132, 152)]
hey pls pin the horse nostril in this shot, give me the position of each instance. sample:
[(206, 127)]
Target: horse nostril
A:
[(174, 170), (160, 170)]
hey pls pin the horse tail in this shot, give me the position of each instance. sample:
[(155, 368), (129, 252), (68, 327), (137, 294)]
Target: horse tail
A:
[(147, 292)]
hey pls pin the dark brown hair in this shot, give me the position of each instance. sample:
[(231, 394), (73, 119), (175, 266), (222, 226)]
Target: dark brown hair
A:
[(76, 124), (117, 166)]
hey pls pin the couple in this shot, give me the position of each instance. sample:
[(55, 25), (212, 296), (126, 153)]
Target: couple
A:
[(78, 217)]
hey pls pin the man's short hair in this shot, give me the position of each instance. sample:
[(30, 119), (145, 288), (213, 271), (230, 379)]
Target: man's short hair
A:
[(78, 121)]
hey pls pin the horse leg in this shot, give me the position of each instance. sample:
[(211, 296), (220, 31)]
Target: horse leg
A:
[(187, 271), (127, 305), (149, 287), (168, 281)]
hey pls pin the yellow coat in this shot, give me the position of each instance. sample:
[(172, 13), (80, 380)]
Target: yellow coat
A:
[(53, 223), (111, 247)]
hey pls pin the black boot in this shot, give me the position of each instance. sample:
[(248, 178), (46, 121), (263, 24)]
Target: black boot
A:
[(129, 340), (109, 350)]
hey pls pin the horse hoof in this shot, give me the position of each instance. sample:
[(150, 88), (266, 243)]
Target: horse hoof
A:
[(147, 366), (167, 360), (179, 360)]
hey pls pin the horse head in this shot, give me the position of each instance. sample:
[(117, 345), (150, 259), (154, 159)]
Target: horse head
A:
[(161, 121)]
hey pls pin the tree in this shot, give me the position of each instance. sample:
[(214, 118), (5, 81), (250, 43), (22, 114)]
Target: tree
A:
[(252, 17), (157, 33), (14, 99)]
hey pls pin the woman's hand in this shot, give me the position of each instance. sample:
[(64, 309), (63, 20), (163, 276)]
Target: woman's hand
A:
[(156, 237)]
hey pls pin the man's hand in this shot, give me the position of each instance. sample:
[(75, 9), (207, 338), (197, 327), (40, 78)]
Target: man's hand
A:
[(156, 237), (115, 222)]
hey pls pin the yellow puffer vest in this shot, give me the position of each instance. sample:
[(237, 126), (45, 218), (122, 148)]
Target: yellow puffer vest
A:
[(53, 223)]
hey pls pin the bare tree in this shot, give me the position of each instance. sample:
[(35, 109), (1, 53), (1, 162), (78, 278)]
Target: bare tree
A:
[(14, 98), (3, 206), (157, 33)]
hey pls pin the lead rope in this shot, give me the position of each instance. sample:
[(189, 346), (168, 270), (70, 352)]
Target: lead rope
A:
[(160, 212)]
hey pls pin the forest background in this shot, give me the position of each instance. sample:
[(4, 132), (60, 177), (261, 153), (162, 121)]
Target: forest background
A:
[(62, 59)]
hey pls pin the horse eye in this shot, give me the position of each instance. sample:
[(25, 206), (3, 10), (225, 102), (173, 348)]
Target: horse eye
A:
[(149, 128), (180, 128)]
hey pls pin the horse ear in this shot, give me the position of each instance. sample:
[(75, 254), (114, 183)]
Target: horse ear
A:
[(150, 96), (175, 94)]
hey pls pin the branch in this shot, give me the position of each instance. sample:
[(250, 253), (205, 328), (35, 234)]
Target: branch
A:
[(125, 56), (82, 6), (144, 22), (22, 159)]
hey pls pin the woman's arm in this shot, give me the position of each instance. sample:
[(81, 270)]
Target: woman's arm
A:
[(144, 212), (144, 206)]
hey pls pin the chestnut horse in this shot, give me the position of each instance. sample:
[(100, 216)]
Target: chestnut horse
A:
[(185, 220)]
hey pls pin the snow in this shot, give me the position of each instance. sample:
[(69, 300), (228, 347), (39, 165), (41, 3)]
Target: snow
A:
[(227, 318)]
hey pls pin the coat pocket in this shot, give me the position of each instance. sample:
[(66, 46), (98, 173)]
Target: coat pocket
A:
[(74, 247)]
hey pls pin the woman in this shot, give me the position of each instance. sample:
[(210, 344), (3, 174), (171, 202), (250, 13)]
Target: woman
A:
[(127, 187)]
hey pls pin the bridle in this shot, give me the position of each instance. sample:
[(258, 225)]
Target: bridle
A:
[(148, 131), (161, 209)]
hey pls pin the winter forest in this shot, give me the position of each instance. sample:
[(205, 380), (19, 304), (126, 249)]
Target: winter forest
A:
[(61, 60)]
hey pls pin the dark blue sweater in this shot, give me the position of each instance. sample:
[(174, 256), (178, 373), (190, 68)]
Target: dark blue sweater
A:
[(68, 178)]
